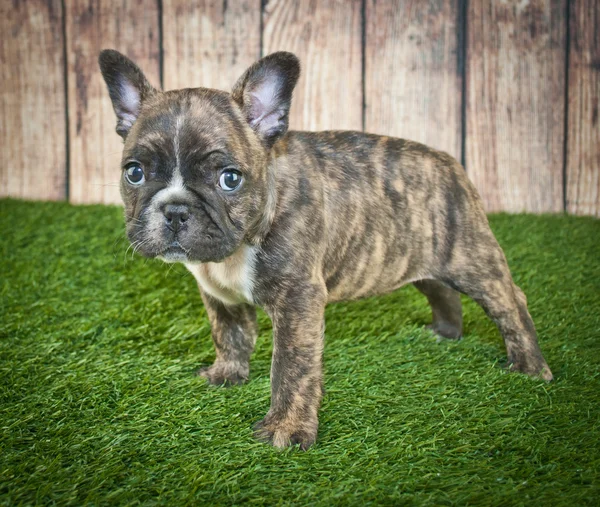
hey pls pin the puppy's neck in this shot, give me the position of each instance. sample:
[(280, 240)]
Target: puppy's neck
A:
[(230, 281)]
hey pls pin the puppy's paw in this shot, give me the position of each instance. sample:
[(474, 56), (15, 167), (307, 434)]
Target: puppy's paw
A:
[(225, 373), (532, 367), (286, 432), (445, 331)]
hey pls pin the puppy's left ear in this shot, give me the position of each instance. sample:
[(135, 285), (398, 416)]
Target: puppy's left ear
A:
[(264, 92), (127, 87)]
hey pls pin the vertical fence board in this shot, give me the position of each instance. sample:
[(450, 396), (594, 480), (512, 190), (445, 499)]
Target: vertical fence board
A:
[(327, 37), (413, 81), (209, 43), (515, 103), (32, 117), (95, 149), (583, 138)]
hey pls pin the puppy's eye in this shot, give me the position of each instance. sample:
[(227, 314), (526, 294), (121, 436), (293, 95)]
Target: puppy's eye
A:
[(134, 174), (230, 179)]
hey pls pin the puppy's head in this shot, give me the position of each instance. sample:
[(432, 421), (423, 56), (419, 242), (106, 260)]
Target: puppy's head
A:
[(195, 179)]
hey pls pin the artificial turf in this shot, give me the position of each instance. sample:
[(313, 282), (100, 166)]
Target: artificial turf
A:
[(99, 403)]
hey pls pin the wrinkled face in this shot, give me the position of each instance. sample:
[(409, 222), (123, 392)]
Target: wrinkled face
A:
[(193, 177), (194, 173)]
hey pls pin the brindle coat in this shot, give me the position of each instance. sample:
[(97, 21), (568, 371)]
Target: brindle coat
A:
[(318, 217)]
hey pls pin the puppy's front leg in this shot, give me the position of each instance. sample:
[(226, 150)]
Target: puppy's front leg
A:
[(296, 369), (234, 333)]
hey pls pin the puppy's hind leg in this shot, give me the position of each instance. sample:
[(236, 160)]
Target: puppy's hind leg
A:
[(445, 306), (484, 276)]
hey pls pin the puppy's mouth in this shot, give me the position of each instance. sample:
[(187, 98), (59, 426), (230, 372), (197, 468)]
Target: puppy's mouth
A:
[(197, 239), (174, 253), (182, 249)]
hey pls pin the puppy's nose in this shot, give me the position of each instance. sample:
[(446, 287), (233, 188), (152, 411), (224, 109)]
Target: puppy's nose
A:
[(176, 215)]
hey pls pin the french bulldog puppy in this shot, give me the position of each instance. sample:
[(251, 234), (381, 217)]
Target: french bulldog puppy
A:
[(290, 221)]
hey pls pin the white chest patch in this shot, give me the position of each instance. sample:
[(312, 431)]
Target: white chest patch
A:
[(230, 281)]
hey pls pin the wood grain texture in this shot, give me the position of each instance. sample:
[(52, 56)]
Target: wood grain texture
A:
[(515, 82), (583, 137), (209, 43), (95, 149), (327, 37), (32, 115), (413, 77)]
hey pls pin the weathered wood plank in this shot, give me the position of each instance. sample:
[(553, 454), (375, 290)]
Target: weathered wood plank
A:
[(32, 115), (95, 149), (327, 37), (515, 103), (413, 72), (583, 137), (209, 43)]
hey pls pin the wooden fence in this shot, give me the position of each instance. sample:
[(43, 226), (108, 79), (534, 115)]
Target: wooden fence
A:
[(509, 87)]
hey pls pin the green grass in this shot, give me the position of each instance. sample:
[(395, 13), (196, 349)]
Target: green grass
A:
[(99, 403)]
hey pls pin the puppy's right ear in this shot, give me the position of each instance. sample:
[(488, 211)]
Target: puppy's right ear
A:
[(264, 92), (127, 87)]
